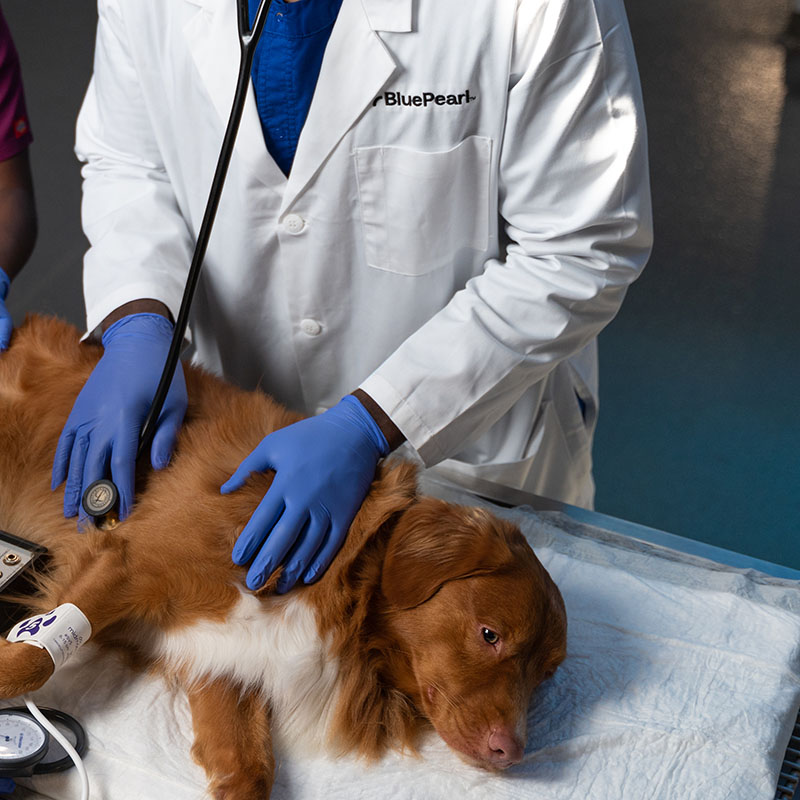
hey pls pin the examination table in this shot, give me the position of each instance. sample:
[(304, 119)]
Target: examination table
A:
[(681, 682)]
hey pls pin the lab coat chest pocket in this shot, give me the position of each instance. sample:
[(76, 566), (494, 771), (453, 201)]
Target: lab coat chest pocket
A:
[(418, 209)]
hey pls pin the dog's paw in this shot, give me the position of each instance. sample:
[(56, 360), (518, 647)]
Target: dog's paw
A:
[(23, 668), (241, 788)]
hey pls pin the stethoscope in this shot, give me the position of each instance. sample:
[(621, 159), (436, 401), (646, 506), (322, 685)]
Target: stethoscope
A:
[(26, 746), (101, 496)]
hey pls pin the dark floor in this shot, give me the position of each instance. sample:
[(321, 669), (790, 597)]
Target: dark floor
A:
[(700, 426)]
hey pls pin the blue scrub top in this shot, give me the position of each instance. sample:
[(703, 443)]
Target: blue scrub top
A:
[(285, 69)]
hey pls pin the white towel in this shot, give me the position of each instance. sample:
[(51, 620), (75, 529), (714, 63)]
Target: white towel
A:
[(681, 683)]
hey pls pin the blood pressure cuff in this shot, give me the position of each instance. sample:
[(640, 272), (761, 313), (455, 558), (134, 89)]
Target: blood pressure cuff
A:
[(60, 631)]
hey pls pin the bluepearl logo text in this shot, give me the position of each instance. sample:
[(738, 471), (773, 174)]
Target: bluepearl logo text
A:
[(425, 99)]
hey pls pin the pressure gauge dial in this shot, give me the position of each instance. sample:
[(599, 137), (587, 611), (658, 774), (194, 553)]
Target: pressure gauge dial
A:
[(26, 748), (23, 743)]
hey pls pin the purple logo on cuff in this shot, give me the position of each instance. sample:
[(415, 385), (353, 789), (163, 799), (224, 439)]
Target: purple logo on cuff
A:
[(33, 625)]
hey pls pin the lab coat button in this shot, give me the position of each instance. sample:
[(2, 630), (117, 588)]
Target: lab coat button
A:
[(293, 223), (311, 327)]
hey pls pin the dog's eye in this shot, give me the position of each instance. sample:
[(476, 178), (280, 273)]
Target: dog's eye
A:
[(490, 637)]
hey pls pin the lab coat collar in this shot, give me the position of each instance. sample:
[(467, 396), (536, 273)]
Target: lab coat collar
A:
[(212, 36), (356, 66), (383, 15), (389, 15)]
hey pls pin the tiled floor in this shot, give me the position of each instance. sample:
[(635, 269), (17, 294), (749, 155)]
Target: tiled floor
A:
[(700, 427)]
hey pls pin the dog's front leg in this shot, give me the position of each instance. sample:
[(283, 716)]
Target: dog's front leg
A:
[(22, 668), (232, 740), (97, 585)]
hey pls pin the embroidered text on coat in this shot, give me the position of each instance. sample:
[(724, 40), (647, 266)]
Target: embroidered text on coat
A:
[(424, 100)]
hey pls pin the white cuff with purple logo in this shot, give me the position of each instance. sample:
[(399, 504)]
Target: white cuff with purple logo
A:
[(60, 631)]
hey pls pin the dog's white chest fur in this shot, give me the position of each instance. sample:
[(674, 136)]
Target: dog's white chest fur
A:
[(272, 647)]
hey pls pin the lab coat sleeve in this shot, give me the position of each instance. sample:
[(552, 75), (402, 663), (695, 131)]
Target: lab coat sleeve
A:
[(140, 243), (574, 198)]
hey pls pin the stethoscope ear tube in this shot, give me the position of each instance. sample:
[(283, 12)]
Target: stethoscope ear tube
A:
[(248, 39)]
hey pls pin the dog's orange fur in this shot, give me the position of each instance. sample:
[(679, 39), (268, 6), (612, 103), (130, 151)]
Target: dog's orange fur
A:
[(404, 603)]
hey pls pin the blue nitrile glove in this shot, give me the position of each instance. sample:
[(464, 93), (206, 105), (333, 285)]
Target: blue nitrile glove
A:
[(6, 784), (103, 427), (323, 470), (6, 326)]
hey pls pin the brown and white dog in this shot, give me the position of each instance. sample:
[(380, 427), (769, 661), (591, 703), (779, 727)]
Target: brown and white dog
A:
[(431, 613)]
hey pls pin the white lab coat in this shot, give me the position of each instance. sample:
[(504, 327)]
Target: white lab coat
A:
[(468, 203)]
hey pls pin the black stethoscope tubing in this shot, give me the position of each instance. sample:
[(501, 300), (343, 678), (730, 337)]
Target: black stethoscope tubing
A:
[(248, 39)]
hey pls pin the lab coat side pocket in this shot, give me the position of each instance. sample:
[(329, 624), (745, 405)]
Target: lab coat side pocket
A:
[(418, 209)]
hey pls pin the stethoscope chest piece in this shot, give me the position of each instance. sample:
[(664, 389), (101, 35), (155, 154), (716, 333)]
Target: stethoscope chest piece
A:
[(99, 498)]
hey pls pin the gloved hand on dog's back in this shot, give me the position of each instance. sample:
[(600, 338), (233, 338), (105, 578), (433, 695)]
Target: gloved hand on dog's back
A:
[(102, 430), (6, 326), (324, 466)]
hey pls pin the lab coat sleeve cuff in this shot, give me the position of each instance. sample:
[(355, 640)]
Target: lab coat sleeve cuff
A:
[(126, 294), (403, 415)]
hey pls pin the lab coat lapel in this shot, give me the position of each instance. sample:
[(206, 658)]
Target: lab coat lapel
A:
[(213, 40), (355, 67)]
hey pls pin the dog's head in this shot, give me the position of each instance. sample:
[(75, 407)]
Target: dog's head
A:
[(480, 622)]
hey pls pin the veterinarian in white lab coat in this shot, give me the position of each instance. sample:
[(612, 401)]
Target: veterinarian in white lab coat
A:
[(467, 204)]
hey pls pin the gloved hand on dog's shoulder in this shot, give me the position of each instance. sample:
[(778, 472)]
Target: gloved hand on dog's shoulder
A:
[(102, 430), (324, 466), (6, 326)]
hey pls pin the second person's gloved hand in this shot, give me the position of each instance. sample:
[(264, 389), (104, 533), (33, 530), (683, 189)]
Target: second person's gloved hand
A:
[(323, 466), (6, 326), (102, 430)]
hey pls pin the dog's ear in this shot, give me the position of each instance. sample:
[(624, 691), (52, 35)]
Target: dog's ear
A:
[(435, 542)]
